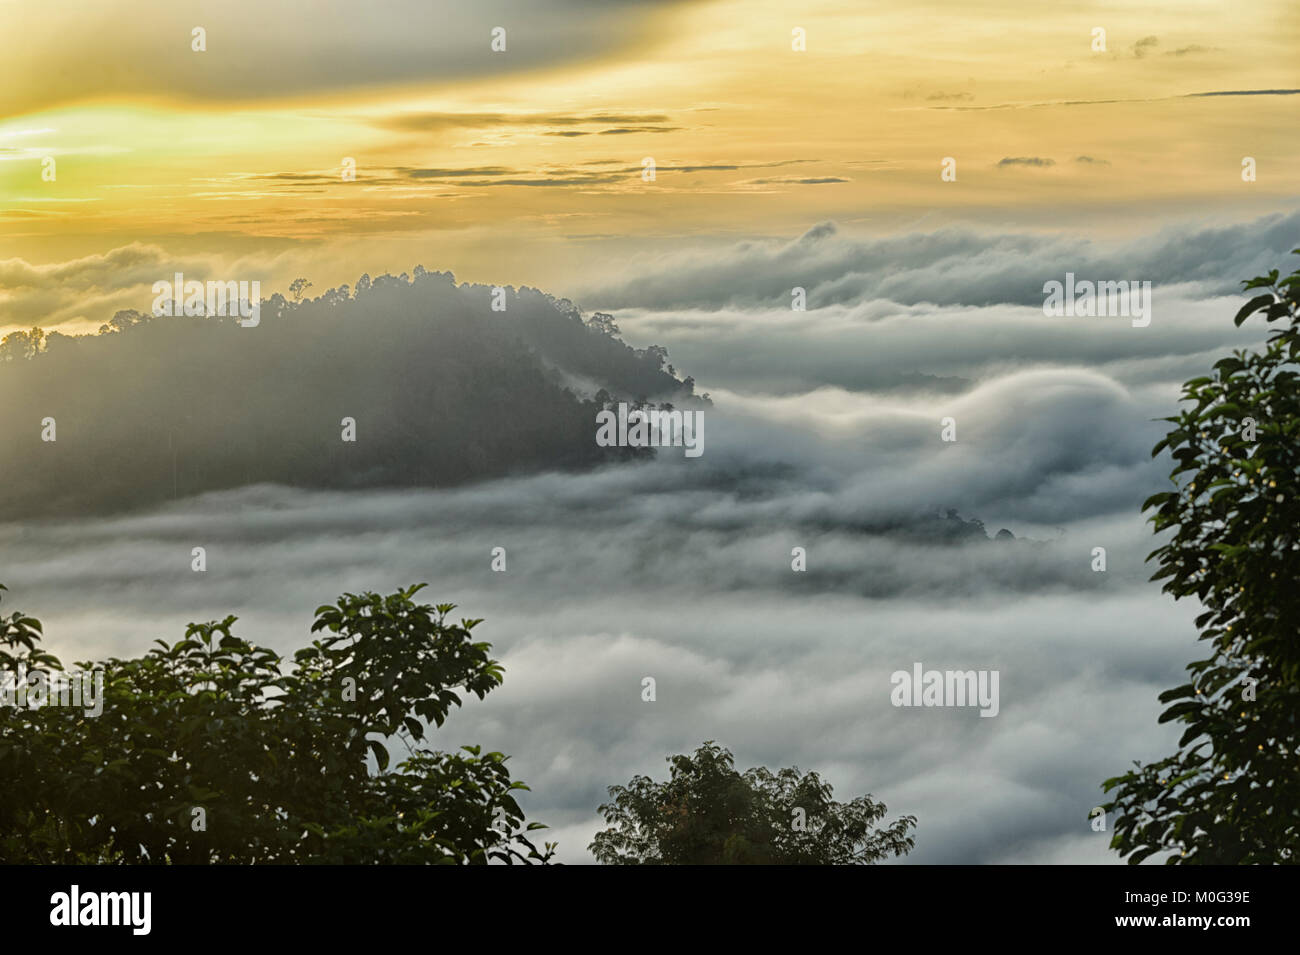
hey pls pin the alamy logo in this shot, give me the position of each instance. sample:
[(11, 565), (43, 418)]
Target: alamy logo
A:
[(102, 908), (193, 298), (651, 428), (946, 688), (1129, 299), (36, 688)]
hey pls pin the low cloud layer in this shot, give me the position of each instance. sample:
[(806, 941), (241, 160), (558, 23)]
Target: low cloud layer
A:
[(681, 570), (950, 267), (825, 435)]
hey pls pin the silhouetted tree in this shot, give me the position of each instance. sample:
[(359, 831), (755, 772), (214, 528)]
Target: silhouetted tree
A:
[(707, 813), (1231, 794), (18, 346), (275, 761)]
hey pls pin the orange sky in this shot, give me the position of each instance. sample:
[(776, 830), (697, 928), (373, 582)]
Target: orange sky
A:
[(524, 166)]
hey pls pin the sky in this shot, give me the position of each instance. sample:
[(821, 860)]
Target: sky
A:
[(775, 168), (524, 166)]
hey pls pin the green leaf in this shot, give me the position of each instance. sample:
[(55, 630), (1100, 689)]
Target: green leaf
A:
[(1254, 305), (381, 754)]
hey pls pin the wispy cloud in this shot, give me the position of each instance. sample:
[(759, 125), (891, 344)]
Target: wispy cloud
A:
[(1026, 161), (1105, 102)]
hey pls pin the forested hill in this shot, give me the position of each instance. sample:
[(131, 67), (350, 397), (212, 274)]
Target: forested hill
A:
[(443, 390)]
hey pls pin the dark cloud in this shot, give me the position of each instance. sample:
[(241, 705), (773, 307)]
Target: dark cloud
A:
[(456, 173), (128, 46), (1026, 161), (794, 181), (559, 181), (623, 130), (1145, 45), (1277, 92)]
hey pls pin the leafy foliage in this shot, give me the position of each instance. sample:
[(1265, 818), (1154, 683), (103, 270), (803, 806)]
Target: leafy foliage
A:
[(707, 813), (277, 760), (1231, 794)]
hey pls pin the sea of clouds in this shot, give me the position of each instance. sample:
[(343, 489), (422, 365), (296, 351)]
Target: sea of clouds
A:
[(822, 434)]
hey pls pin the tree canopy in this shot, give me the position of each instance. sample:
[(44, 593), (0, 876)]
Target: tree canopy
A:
[(442, 389), (1231, 794), (211, 750), (707, 813)]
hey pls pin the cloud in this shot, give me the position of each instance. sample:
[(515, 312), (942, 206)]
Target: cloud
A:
[(127, 46), (1145, 45), (404, 177), (582, 180), (685, 576), (487, 176), (948, 267), (1107, 102), (795, 181), (456, 173), (680, 569), (93, 287), (431, 122), (1275, 92), (1026, 161), (116, 269), (725, 167), (624, 130)]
